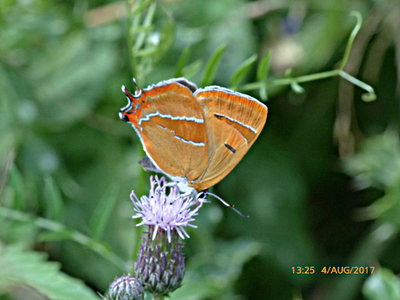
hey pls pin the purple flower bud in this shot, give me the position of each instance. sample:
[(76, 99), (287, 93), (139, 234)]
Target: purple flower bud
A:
[(126, 287), (160, 265)]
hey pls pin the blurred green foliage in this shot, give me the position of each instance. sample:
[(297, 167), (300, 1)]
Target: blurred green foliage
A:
[(321, 184)]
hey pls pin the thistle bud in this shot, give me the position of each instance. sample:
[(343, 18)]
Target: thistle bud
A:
[(160, 265), (126, 287)]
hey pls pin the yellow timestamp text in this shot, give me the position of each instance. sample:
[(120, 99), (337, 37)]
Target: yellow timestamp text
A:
[(333, 270)]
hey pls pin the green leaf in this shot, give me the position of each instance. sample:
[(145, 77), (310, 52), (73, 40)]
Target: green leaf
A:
[(102, 212), (212, 66), (386, 208), (54, 199), (53, 236), (382, 285), (167, 34), (61, 231), (212, 273), (140, 39), (297, 88), (182, 62), (262, 74), (20, 268), (263, 67), (17, 183), (191, 69), (377, 164), (242, 71), (139, 6)]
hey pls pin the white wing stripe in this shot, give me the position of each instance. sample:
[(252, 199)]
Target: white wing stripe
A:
[(237, 122), (178, 118), (200, 144)]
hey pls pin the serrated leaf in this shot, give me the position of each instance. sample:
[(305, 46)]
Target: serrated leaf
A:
[(382, 285), (242, 71), (387, 208), (102, 212), (377, 164), (212, 66), (28, 268)]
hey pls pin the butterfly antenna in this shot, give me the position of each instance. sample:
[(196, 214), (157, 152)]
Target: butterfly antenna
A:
[(227, 204), (138, 90), (135, 83)]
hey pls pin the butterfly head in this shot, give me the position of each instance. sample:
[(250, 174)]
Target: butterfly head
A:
[(131, 111)]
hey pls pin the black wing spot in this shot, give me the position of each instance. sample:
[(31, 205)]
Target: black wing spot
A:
[(230, 148)]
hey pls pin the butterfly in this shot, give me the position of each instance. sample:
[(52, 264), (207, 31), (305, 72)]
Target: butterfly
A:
[(196, 136)]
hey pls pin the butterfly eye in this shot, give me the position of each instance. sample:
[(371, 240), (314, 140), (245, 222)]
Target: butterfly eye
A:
[(123, 116)]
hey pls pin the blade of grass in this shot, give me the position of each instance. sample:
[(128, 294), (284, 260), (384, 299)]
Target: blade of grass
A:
[(102, 212), (262, 74), (54, 201), (242, 71), (182, 61), (17, 183), (191, 69), (212, 66)]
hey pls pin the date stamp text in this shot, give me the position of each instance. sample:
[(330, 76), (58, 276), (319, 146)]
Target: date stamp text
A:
[(333, 270)]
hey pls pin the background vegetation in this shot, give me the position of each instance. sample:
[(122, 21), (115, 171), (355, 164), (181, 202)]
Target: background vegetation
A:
[(321, 184)]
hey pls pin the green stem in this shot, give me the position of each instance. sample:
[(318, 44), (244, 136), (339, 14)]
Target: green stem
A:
[(371, 93), (74, 235), (351, 39), (289, 81), (294, 81), (158, 297)]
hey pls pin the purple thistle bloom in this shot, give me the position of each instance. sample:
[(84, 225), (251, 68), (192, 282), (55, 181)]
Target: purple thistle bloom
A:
[(166, 211)]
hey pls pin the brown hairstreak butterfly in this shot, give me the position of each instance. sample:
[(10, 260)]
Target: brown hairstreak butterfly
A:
[(194, 135)]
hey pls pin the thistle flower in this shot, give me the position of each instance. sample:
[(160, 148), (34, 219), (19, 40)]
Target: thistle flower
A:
[(160, 265), (165, 211)]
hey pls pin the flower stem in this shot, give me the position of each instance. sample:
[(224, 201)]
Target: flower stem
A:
[(158, 297)]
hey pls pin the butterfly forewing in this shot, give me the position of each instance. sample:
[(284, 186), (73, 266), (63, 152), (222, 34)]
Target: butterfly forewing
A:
[(170, 122), (233, 121)]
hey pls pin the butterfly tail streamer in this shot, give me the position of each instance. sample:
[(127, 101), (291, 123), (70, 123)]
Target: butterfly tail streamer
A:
[(227, 204)]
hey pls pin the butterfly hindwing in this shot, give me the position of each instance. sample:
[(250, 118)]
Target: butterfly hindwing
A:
[(233, 121)]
